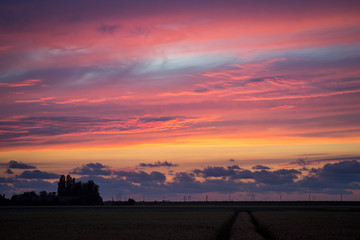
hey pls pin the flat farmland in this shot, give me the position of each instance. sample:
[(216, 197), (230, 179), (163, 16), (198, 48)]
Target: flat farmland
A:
[(319, 225), (110, 223), (254, 220)]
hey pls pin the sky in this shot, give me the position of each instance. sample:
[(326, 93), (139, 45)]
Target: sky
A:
[(182, 99)]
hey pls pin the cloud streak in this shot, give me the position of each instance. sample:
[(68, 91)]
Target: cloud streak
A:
[(158, 164), (19, 165)]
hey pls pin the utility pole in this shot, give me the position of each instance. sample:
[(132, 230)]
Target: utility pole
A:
[(253, 197)]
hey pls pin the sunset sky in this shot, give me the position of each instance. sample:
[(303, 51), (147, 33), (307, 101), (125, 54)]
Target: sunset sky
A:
[(160, 99)]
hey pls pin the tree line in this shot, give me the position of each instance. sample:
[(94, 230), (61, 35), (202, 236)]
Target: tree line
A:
[(69, 192)]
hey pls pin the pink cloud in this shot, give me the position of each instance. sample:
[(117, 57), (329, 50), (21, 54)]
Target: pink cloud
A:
[(227, 71), (26, 83), (35, 100)]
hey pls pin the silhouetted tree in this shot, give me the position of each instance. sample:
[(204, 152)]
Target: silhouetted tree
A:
[(131, 201), (3, 200), (73, 192), (61, 186), (31, 198)]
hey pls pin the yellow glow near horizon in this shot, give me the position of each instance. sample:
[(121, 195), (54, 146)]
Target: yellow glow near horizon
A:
[(185, 155)]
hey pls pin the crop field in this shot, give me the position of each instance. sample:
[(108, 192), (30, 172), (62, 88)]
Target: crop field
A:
[(309, 225), (198, 221), (243, 228), (77, 223)]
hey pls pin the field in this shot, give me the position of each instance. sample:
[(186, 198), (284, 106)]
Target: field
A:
[(100, 223), (179, 221), (309, 225)]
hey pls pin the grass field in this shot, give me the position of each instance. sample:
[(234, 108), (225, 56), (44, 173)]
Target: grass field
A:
[(97, 224), (317, 225), (182, 221), (244, 229)]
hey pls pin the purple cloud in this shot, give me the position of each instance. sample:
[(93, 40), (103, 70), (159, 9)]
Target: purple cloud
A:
[(158, 164), (92, 169), (19, 165), (37, 174)]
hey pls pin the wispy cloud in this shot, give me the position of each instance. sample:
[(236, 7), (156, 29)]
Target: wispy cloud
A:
[(158, 164), (35, 100), (26, 83)]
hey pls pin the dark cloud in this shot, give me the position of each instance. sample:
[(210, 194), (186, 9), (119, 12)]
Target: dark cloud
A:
[(334, 133), (22, 15), (6, 180), (301, 162), (36, 185), (304, 162), (332, 178), (184, 177), (244, 174), (50, 126), (260, 167), (157, 119), (37, 174), (19, 165), (110, 187), (279, 177), (185, 183), (92, 169), (158, 164), (336, 159), (314, 170), (10, 186), (311, 64), (8, 171), (32, 120), (32, 130), (201, 90), (335, 178), (108, 28), (231, 160), (5, 188), (141, 176), (312, 154), (264, 176), (217, 171), (262, 79)]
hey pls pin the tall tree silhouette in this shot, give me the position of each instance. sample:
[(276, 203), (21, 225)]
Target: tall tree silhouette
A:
[(70, 191), (61, 186)]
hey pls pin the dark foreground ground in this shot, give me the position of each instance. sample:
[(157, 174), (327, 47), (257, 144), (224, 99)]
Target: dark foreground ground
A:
[(227, 220)]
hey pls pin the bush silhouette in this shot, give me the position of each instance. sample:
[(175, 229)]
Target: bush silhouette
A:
[(31, 198)]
